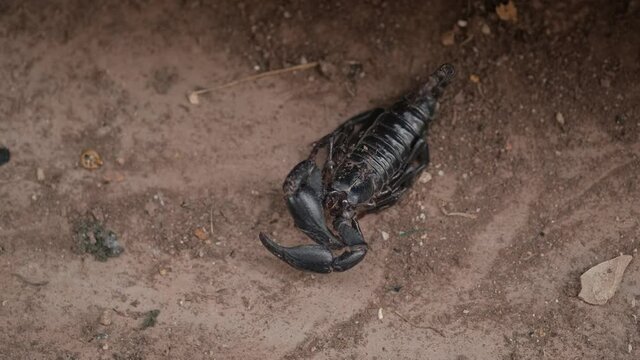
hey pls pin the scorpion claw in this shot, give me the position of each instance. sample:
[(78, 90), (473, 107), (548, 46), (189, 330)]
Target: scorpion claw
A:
[(349, 258), (316, 258)]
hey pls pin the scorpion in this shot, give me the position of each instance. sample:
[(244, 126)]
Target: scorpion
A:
[(372, 159)]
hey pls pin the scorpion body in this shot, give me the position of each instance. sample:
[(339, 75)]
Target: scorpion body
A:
[(372, 159)]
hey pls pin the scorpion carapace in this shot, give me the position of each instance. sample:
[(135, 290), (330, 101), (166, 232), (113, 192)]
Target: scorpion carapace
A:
[(372, 159)]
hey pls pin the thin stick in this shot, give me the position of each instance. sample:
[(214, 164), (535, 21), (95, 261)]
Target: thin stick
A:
[(256, 77), (211, 219), (461, 214), (437, 331), (29, 282)]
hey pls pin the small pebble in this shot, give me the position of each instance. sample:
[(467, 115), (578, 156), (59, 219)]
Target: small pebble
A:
[(474, 78), (105, 347), (485, 29), (560, 118), (465, 311), (385, 235), (425, 177), (106, 318), (440, 173), (163, 271), (40, 174), (287, 15), (462, 23), (380, 315)]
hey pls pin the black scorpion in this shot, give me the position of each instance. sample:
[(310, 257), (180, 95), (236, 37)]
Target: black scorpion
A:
[(372, 159)]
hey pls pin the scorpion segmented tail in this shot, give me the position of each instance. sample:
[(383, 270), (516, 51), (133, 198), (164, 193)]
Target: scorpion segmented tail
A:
[(429, 93)]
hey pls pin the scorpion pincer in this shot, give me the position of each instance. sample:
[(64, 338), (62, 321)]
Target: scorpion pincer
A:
[(372, 159)]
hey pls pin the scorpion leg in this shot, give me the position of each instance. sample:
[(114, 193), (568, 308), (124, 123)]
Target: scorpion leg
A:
[(419, 154), (365, 118)]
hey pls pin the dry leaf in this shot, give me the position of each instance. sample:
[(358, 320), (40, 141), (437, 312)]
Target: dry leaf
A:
[(90, 159), (507, 12), (600, 283), (448, 38)]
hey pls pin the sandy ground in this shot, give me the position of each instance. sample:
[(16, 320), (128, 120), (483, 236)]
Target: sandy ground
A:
[(550, 198)]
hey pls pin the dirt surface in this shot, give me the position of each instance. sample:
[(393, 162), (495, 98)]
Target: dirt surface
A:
[(186, 188)]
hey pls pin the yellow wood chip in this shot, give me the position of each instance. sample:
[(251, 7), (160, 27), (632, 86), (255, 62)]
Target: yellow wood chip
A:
[(90, 159)]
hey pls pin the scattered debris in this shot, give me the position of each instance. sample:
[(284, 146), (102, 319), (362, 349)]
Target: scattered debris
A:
[(507, 12), (30, 282), (380, 315), (106, 317), (90, 159), (425, 177), (600, 283), (410, 232), (560, 118), (193, 96), (91, 237), (461, 214), (463, 23), (474, 78), (385, 235), (201, 234), (485, 29), (150, 319), (40, 174), (5, 155), (448, 38)]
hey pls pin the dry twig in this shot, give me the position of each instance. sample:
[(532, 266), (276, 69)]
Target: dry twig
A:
[(461, 214), (437, 331), (193, 96)]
